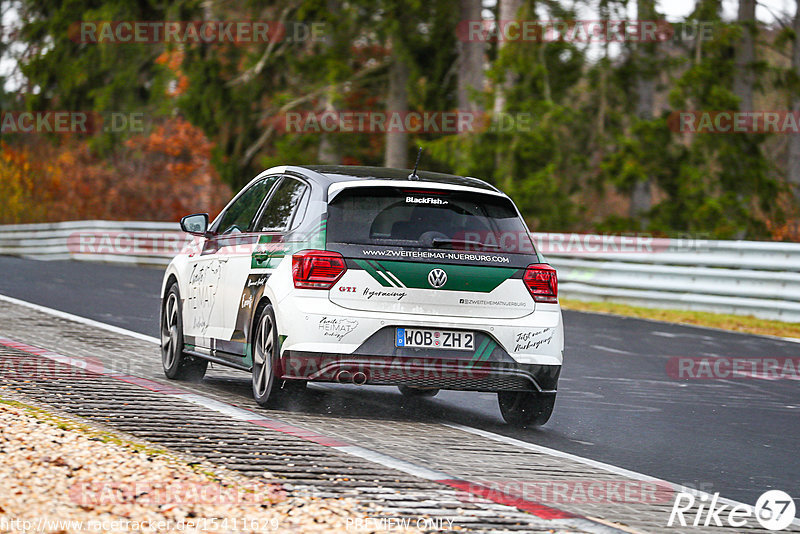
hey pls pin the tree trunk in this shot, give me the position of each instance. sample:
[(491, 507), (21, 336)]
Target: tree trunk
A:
[(470, 61), (508, 11), (641, 199), (602, 90), (794, 140), (709, 10), (745, 55), (326, 152), (397, 102), (646, 80)]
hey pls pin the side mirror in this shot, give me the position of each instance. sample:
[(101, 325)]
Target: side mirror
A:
[(196, 224)]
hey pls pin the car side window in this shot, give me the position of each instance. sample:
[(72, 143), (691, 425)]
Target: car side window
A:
[(278, 212), (239, 215), (302, 208)]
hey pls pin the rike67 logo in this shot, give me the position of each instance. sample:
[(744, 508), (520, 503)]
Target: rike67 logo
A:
[(774, 510)]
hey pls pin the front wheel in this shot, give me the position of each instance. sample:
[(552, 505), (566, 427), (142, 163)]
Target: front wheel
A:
[(265, 356), (177, 365), (526, 408)]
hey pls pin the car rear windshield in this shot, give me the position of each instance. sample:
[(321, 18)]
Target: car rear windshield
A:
[(386, 216)]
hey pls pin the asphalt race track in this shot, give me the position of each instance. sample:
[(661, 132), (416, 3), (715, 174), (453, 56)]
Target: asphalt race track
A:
[(616, 402)]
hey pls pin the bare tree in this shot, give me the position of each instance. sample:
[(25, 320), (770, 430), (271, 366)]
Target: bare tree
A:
[(470, 60), (745, 55), (326, 153), (641, 197), (508, 11), (397, 102), (645, 79), (794, 140)]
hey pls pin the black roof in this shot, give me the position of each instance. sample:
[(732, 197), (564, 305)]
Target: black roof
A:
[(340, 173)]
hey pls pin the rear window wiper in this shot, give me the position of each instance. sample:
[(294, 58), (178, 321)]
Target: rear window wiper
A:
[(439, 242)]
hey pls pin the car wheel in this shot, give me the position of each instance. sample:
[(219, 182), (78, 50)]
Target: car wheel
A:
[(265, 356), (526, 408), (417, 392), (177, 365)]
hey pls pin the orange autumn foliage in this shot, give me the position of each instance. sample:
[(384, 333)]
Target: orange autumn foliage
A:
[(788, 229), (161, 176)]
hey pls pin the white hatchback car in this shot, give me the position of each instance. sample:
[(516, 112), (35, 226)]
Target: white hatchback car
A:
[(368, 275)]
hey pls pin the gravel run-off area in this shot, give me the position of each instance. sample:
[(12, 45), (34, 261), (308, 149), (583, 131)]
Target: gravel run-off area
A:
[(62, 475)]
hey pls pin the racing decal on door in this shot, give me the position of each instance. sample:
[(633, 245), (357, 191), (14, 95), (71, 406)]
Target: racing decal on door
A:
[(204, 282), (248, 301)]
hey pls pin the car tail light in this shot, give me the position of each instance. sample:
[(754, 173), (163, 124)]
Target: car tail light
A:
[(542, 282), (317, 269)]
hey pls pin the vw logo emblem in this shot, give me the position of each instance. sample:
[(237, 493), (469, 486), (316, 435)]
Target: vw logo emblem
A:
[(437, 278)]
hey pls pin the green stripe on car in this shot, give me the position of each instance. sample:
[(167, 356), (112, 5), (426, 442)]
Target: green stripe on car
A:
[(476, 278), (367, 266)]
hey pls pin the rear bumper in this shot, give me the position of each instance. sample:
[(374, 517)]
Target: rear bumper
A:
[(310, 322), (420, 371)]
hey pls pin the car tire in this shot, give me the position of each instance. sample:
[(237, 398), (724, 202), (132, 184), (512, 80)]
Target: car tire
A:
[(526, 408), (413, 393), (177, 365), (265, 356)]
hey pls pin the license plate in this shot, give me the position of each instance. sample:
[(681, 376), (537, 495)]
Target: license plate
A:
[(434, 339)]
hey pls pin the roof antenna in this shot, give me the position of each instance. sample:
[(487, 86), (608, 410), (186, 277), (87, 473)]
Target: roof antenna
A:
[(413, 175)]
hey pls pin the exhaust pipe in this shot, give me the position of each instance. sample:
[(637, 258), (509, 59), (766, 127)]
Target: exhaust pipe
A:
[(344, 377), (359, 379)]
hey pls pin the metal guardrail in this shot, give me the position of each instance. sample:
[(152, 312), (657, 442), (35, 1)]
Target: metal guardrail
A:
[(129, 242), (740, 277)]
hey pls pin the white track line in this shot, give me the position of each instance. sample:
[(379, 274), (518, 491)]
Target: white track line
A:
[(476, 431), (242, 414), (621, 471), (81, 320)]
